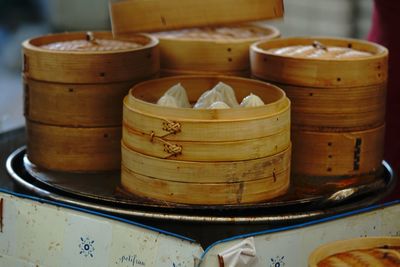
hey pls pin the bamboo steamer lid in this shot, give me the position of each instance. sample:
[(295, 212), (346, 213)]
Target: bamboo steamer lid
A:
[(101, 59), (141, 16), (207, 134), (356, 244), (73, 149), (330, 72), (208, 50)]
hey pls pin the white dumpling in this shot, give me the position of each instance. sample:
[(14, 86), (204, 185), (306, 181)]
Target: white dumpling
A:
[(168, 101), (219, 105), (179, 93), (251, 101), (228, 94), (207, 98)]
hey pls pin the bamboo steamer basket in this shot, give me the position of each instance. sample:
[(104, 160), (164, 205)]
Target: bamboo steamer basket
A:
[(168, 152), (338, 153), (335, 101), (341, 246), (74, 149), (327, 93), (211, 172), (147, 127), (206, 193), (141, 16), (327, 109), (210, 50), (320, 73), (79, 90), (119, 65)]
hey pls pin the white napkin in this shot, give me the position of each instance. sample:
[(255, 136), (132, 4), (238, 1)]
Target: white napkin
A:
[(240, 255)]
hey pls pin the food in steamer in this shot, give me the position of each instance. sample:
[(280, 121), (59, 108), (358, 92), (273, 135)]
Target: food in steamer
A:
[(221, 96), (384, 256)]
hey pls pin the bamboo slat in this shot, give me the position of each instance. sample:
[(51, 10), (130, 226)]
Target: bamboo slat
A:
[(207, 130), (205, 193), (337, 153), (74, 149), (205, 172), (328, 109), (154, 15), (168, 72), (206, 151), (75, 105)]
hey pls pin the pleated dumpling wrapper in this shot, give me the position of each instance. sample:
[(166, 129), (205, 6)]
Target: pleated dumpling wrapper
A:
[(179, 93), (251, 101), (207, 98), (168, 101), (219, 105), (228, 94)]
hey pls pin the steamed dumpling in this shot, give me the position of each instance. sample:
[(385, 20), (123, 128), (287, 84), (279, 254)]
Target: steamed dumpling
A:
[(228, 94), (251, 101), (179, 93), (218, 105), (168, 101), (207, 98)]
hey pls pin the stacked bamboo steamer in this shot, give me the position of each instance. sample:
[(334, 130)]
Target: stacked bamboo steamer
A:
[(206, 156), (338, 101), (203, 156), (210, 50), (74, 85), (208, 37)]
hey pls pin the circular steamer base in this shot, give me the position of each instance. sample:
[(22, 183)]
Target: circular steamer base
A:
[(205, 223)]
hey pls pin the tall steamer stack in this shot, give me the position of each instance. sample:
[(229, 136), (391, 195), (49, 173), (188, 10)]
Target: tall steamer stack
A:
[(203, 156), (338, 104), (199, 37), (74, 85), (206, 156)]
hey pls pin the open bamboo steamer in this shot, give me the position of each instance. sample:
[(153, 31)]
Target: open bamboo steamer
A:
[(338, 105), (327, 93), (192, 148), (83, 88), (340, 246), (214, 129), (78, 89), (203, 51)]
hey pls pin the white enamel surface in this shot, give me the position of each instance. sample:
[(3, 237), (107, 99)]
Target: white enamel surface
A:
[(292, 247), (39, 234)]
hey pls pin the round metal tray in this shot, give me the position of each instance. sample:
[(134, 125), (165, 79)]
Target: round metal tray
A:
[(102, 192)]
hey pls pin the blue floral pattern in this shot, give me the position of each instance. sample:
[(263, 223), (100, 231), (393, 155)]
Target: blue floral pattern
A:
[(86, 247), (278, 261)]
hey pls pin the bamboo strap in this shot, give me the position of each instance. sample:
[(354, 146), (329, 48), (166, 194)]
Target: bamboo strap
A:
[(172, 149), (172, 127)]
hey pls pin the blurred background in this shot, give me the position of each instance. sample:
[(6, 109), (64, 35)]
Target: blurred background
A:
[(22, 19)]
